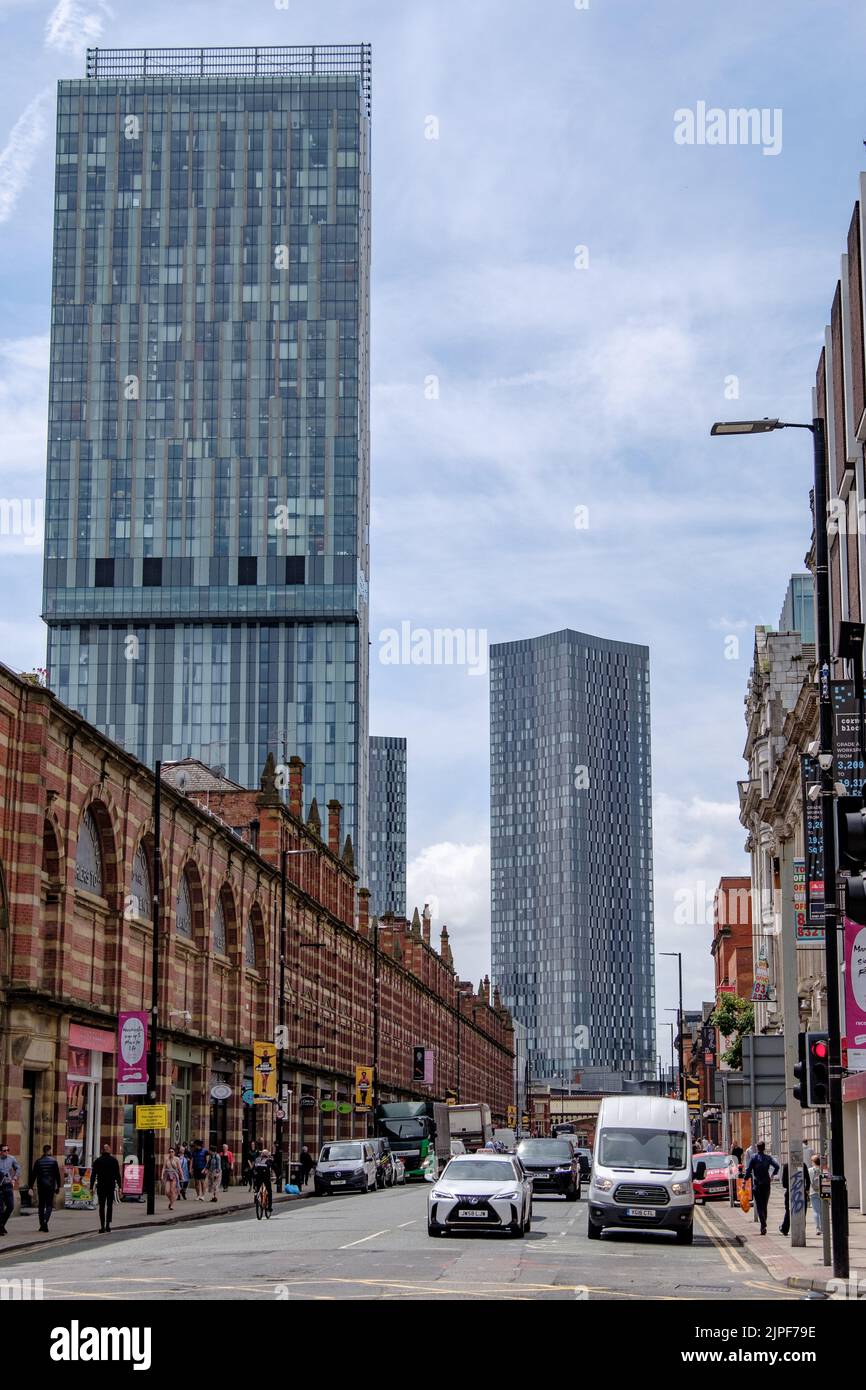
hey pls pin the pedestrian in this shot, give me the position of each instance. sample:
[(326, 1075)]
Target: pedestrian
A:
[(105, 1178), (307, 1163), (198, 1165), (214, 1172), (227, 1161), (46, 1178), (759, 1170), (10, 1172), (171, 1178), (737, 1151), (816, 1178), (786, 1219), (183, 1159)]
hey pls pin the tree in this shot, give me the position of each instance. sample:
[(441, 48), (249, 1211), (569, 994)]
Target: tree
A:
[(734, 1017)]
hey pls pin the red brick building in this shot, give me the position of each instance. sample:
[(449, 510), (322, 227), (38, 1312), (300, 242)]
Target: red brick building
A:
[(732, 936), (76, 861)]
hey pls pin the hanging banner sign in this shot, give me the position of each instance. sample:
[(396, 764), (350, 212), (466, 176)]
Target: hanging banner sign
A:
[(813, 830), (848, 763), (132, 1053), (264, 1072), (363, 1085), (761, 986), (855, 994)]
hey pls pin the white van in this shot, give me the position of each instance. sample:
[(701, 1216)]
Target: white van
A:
[(642, 1167)]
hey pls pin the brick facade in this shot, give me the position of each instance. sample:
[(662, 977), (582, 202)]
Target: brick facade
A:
[(75, 951)]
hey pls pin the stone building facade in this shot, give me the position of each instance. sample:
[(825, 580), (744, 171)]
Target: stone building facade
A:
[(76, 862)]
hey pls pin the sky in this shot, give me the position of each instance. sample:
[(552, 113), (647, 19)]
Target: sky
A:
[(566, 293)]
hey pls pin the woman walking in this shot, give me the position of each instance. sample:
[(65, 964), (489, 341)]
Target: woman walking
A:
[(171, 1178), (227, 1159)]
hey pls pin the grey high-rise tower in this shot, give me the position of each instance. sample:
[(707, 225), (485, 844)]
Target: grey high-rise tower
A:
[(386, 826), (571, 850), (207, 510)]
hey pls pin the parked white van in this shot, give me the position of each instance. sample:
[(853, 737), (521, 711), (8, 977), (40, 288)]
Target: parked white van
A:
[(642, 1167)]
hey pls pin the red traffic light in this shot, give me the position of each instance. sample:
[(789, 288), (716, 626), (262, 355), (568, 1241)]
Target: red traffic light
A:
[(821, 1050)]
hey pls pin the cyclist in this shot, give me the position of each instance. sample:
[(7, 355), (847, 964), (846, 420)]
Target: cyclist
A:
[(263, 1167)]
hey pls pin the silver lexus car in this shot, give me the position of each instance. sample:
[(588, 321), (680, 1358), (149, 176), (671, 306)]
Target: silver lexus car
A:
[(481, 1192)]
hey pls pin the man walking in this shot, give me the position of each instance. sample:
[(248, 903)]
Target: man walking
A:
[(761, 1176), (198, 1164), (45, 1177), (105, 1177), (10, 1172), (214, 1173), (307, 1163)]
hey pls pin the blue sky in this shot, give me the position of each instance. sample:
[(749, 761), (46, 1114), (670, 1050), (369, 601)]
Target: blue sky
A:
[(558, 387)]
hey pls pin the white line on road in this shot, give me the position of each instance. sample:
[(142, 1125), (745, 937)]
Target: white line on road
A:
[(372, 1236), (404, 1224)]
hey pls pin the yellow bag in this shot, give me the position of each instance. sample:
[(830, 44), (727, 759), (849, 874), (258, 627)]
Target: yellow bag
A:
[(744, 1194)]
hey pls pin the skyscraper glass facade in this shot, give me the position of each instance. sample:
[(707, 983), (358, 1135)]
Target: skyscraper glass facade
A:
[(798, 610), (207, 508), (386, 826), (571, 850)]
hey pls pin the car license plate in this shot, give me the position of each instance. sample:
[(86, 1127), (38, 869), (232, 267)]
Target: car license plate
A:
[(338, 1182), (640, 1211), (466, 1213)]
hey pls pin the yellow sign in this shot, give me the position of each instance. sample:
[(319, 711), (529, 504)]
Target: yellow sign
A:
[(151, 1117), (693, 1093), (264, 1072), (512, 1116), (363, 1087)]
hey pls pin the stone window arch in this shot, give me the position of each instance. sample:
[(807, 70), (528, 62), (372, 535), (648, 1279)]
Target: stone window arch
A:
[(183, 912), (88, 857)]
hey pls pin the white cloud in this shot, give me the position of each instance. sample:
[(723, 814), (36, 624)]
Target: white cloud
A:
[(72, 26), (455, 880), (19, 153), (23, 414)]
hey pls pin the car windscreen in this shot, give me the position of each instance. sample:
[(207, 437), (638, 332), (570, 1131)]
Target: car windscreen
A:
[(643, 1148), (722, 1163), (404, 1129), (549, 1151), (340, 1153), (479, 1170)]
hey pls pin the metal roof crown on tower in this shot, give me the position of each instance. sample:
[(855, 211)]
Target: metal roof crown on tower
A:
[(298, 60)]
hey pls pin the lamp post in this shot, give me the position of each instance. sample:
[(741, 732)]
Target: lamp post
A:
[(278, 1150), (838, 1190), (679, 956)]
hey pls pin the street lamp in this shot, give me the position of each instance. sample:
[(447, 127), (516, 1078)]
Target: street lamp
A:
[(679, 956), (278, 1154), (838, 1191)]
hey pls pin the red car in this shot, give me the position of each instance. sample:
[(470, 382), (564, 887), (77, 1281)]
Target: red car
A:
[(713, 1185)]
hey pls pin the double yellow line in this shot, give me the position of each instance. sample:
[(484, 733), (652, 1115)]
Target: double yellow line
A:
[(729, 1253)]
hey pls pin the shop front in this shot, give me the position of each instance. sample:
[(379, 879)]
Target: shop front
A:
[(85, 1063), (185, 1065)]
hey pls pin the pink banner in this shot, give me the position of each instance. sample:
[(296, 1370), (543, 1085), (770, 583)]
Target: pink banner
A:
[(855, 994), (132, 1053), (93, 1039), (133, 1179)]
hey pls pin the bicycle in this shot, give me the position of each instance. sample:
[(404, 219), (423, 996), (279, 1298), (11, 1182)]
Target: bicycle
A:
[(261, 1201)]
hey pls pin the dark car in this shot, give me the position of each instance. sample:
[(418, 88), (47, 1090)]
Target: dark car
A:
[(386, 1169), (711, 1174), (553, 1166)]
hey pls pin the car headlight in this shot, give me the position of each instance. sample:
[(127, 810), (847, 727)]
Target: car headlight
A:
[(440, 1196), (679, 1189), (566, 1169), (507, 1196), (603, 1184)]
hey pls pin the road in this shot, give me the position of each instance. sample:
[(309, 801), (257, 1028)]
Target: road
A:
[(376, 1247)]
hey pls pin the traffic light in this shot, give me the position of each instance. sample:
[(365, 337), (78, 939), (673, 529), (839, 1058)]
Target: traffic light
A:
[(801, 1072), (852, 855), (819, 1068), (417, 1063)]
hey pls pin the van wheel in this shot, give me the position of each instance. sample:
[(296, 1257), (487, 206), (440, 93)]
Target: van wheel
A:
[(686, 1235), (593, 1232)]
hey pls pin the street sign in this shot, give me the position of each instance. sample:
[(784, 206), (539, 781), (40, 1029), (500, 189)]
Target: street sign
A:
[(220, 1092), (151, 1117), (248, 1096)]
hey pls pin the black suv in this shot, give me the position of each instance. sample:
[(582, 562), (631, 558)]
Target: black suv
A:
[(553, 1166)]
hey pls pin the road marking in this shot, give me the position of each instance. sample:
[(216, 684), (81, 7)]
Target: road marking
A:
[(731, 1257), (372, 1236), (403, 1224)]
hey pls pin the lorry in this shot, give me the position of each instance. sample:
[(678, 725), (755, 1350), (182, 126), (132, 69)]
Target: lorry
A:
[(417, 1134), (471, 1124)]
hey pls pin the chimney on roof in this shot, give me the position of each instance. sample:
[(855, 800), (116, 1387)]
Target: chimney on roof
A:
[(296, 787), (364, 911), (426, 920), (445, 948), (334, 809)]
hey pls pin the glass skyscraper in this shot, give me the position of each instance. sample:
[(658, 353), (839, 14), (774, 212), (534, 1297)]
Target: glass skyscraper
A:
[(386, 826), (571, 851), (207, 512)]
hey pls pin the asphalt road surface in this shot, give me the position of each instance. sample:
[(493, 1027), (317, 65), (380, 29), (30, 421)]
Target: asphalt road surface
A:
[(375, 1246)]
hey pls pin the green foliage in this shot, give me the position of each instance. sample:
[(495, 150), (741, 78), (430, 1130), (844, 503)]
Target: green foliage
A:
[(734, 1017)]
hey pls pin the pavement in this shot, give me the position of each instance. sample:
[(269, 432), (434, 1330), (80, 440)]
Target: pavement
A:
[(23, 1231), (371, 1246), (798, 1267)]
